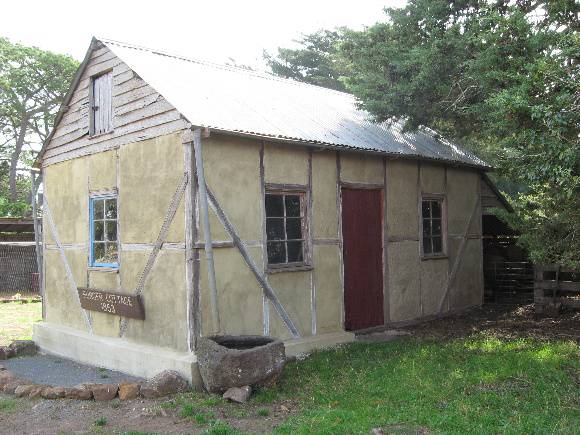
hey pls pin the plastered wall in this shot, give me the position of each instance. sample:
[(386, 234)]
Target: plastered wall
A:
[(146, 175)]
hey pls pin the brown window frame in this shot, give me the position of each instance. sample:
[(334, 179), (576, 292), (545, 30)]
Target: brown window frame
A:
[(92, 132), (305, 264), (443, 205)]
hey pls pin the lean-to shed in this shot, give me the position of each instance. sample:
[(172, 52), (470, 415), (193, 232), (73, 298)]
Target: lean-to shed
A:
[(320, 221)]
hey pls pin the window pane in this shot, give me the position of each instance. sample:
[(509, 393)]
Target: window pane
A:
[(276, 252), (111, 230), (437, 248), (293, 228), (436, 227), (426, 227), (426, 207), (275, 228), (98, 252), (427, 245), (98, 232), (292, 205), (110, 253), (274, 205), (436, 209), (295, 254), (111, 208), (98, 205)]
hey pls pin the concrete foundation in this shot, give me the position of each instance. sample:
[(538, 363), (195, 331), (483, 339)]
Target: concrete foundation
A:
[(114, 353), (147, 361)]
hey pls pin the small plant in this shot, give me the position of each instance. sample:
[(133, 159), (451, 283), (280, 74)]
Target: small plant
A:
[(263, 412), (187, 411), (115, 404), (7, 405), (219, 427), (101, 421)]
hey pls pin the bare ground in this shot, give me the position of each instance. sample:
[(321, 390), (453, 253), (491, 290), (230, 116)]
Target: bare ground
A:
[(24, 416)]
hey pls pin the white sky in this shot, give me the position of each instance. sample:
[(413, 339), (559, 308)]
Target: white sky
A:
[(213, 29)]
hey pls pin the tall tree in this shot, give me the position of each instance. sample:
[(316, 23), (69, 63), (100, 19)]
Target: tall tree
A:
[(33, 83), (315, 61), (500, 76)]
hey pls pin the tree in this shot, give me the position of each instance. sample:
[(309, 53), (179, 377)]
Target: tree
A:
[(315, 62), (501, 77), (33, 83)]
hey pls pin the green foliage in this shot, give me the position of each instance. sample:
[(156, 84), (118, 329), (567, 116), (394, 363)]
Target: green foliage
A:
[(501, 77), (316, 62), (101, 421), (33, 83)]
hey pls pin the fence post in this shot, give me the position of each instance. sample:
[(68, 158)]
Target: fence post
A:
[(539, 303)]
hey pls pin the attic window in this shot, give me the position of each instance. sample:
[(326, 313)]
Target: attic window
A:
[(101, 104), (285, 229)]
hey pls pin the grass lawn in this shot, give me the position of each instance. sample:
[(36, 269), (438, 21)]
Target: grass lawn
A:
[(480, 384), (16, 319)]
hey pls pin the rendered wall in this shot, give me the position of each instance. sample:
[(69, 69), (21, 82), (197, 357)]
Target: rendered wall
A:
[(146, 175)]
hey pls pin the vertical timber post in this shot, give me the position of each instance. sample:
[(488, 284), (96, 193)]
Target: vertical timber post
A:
[(35, 184), (203, 205)]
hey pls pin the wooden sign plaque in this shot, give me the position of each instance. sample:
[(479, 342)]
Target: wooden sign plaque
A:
[(111, 303)]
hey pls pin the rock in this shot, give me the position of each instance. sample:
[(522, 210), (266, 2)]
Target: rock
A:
[(78, 393), (6, 352), (234, 361), (11, 386), (166, 382), (238, 394), (102, 392), (53, 393), (129, 391), (5, 377), (23, 390), (37, 390), (23, 347), (2, 368), (377, 431)]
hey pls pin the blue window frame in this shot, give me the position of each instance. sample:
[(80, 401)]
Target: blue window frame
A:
[(104, 249)]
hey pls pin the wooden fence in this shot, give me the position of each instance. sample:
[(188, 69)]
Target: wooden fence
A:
[(556, 288)]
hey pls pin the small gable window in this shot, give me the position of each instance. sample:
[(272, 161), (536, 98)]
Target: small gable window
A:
[(104, 234), (101, 104), (285, 229), (433, 226)]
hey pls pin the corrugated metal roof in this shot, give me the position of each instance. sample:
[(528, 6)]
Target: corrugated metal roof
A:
[(236, 100)]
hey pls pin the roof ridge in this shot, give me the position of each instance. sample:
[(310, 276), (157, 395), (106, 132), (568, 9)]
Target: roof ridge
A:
[(262, 74)]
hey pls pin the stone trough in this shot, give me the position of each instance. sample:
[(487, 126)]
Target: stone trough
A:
[(227, 361)]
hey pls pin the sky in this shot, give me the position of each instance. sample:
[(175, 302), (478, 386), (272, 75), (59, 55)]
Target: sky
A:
[(216, 30)]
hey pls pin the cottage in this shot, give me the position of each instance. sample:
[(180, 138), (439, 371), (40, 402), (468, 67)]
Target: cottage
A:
[(184, 199)]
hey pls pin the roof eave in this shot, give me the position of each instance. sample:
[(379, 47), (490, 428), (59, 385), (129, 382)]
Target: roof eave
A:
[(324, 145)]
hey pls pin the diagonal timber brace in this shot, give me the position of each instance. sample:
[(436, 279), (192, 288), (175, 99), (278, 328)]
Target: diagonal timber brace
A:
[(268, 291)]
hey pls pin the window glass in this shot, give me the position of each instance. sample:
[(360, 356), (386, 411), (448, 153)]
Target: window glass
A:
[(104, 234), (284, 228), (432, 226)]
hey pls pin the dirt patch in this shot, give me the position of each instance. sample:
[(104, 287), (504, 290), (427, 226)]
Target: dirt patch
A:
[(503, 321), (164, 416)]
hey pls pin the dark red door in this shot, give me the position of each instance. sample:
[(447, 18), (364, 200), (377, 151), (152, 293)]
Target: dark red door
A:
[(362, 222)]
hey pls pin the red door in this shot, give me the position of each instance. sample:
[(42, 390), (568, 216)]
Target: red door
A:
[(362, 230)]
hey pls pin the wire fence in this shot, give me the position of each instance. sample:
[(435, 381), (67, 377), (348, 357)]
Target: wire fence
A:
[(18, 268)]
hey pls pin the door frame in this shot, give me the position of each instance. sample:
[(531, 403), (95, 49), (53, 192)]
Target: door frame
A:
[(382, 187)]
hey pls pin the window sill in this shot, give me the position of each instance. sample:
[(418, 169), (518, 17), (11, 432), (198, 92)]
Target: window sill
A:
[(302, 268), (95, 136), (103, 269), (434, 257)]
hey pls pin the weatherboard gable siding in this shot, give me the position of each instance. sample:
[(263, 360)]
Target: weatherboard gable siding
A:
[(139, 112)]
